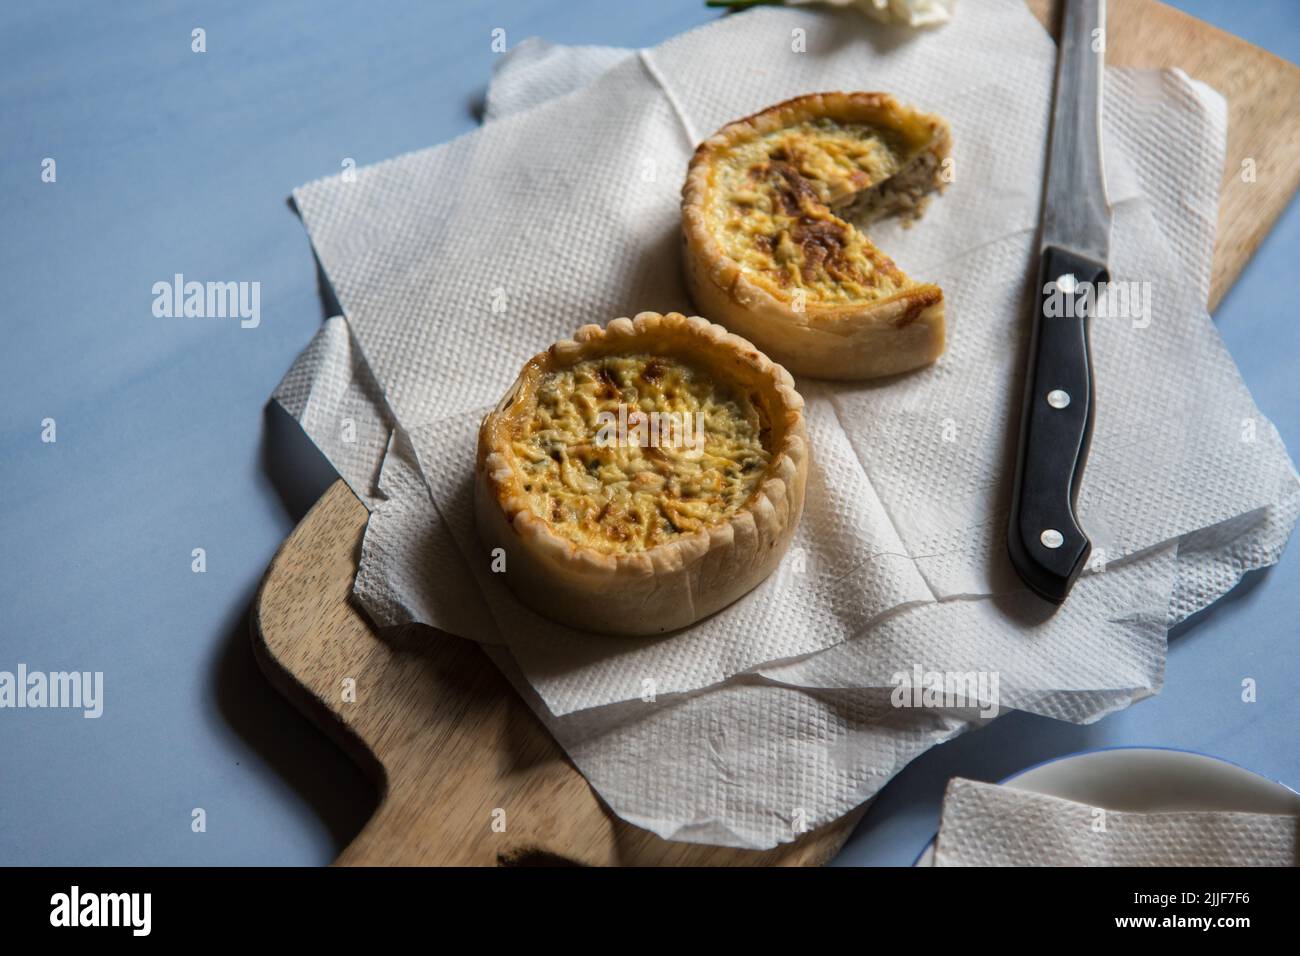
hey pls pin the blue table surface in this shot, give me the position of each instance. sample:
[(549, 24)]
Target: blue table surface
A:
[(173, 162)]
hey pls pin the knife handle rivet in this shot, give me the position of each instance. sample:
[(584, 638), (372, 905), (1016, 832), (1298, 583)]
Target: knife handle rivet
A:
[(1058, 398), (1067, 283), (1052, 538)]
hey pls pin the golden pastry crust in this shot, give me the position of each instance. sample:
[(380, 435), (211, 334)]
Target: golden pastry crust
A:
[(626, 537), (771, 249)]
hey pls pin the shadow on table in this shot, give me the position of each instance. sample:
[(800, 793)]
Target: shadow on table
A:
[(298, 471), (339, 793)]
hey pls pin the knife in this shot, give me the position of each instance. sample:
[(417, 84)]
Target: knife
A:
[(1047, 547)]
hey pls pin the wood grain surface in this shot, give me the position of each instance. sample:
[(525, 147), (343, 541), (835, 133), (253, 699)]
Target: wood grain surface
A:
[(451, 745)]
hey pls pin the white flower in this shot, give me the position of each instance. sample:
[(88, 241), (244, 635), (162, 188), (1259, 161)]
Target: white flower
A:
[(913, 13)]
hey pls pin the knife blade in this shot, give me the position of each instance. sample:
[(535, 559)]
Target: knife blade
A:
[(1046, 545)]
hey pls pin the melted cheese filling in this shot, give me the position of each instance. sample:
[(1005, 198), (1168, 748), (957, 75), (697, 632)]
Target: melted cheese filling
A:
[(771, 209), (625, 489)]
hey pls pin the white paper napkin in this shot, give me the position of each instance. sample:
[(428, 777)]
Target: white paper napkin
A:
[(536, 71), (984, 824), (331, 393), (918, 508), (430, 242), (845, 569)]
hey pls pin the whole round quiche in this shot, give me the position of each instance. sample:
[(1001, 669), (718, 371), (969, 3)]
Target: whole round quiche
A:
[(639, 477), (772, 215)]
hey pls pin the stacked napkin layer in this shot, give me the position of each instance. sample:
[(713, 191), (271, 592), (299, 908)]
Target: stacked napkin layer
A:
[(987, 825), (455, 264)]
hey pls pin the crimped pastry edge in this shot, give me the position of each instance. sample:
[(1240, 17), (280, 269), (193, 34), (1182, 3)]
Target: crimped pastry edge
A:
[(673, 584), (885, 337)]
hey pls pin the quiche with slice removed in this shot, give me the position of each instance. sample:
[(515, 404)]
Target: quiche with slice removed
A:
[(772, 213), (642, 476)]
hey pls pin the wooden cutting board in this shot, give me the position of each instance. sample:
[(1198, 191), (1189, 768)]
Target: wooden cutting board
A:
[(454, 750), (449, 743)]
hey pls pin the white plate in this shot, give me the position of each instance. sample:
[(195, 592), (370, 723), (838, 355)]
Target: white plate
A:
[(1148, 780)]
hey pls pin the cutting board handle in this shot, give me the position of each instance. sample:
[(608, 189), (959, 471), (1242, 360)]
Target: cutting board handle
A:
[(467, 774)]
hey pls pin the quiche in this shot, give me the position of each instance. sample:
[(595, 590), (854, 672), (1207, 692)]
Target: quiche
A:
[(639, 477), (772, 215)]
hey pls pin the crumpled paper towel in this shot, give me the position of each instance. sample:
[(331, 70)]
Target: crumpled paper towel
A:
[(845, 570), (941, 499), (984, 824), (536, 71), (412, 312), (332, 394)]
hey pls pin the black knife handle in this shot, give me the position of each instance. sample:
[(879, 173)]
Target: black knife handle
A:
[(1046, 544)]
